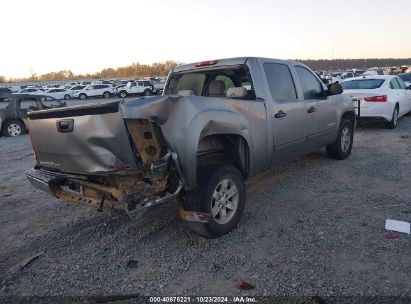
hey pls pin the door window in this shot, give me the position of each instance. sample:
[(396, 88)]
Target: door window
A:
[(312, 87), (280, 81), (28, 105), (394, 84)]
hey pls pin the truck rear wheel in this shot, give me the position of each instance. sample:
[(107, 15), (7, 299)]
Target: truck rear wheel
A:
[(342, 146), (221, 193)]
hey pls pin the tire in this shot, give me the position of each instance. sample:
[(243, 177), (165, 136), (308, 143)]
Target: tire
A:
[(342, 146), (106, 94), (394, 120), (13, 127), (209, 198), (122, 94), (82, 96), (67, 97), (147, 92)]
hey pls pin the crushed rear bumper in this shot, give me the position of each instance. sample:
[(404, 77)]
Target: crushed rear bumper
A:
[(54, 184)]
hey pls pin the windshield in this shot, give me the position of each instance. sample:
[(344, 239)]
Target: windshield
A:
[(362, 84), (213, 82)]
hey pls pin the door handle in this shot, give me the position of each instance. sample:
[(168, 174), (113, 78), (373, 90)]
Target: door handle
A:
[(312, 110), (280, 114)]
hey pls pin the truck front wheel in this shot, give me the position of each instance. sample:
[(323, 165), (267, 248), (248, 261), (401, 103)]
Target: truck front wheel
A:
[(221, 193), (342, 146)]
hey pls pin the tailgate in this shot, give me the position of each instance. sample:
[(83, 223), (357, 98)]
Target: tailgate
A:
[(86, 139)]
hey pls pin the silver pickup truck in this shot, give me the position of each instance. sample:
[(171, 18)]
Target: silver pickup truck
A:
[(217, 123)]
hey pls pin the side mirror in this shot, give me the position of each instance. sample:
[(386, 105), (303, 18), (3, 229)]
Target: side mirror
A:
[(409, 87), (334, 89)]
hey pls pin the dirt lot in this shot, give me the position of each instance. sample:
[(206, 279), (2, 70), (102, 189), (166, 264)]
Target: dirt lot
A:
[(312, 227)]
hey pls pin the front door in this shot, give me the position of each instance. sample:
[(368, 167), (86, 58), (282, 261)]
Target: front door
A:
[(321, 111)]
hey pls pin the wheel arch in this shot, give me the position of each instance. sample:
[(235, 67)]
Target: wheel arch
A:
[(224, 148), (222, 130), (350, 115)]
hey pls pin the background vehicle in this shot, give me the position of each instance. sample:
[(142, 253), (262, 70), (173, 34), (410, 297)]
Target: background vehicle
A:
[(406, 77), (4, 93), (93, 90), (13, 119), (30, 91), (76, 88), (59, 93), (70, 84), (381, 97), (226, 120), (136, 87)]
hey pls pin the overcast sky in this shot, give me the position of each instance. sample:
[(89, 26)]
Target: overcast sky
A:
[(87, 36)]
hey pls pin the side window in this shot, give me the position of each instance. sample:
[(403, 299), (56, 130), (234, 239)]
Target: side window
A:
[(394, 84), (147, 83), (228, 83), (49, 103), (312, 87), (140, 83), (401, 83), (280, 81), (28, 105)]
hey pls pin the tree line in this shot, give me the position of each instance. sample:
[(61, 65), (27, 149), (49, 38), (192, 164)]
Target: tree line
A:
[(162, 69), (133, 70)]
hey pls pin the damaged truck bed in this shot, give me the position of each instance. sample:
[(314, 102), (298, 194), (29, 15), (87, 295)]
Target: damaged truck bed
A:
[(217, 123)]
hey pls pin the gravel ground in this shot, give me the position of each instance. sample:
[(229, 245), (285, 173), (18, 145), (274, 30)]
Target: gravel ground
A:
[(312, 227)]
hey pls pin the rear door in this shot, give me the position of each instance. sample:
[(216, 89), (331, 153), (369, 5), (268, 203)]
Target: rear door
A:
[(91, 90), (288, 115), (321, 111)]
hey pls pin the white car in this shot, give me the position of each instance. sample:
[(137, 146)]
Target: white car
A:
[(32, 91), (92, 90), (59, 93), (136, 87), (379, 98)]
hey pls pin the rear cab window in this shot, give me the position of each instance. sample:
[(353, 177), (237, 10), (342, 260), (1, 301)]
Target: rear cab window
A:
[(212, 83)]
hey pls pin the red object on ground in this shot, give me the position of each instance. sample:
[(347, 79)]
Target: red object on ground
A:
[(245, 286), (391, 236)]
